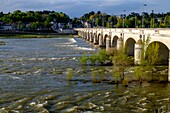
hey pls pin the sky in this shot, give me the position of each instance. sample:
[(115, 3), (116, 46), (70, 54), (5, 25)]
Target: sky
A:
[(77, 8)]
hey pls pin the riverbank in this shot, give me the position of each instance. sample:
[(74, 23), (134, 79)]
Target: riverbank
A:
[(34, 34)]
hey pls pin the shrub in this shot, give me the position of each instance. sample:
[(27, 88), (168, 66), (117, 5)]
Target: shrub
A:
[(93, 59), (84, 59), (103, 57), (112, 51), (70, 74)]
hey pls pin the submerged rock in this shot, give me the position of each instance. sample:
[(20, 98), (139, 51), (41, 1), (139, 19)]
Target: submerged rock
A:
[(91, 105), (2, 110), (2, 43), (71, 110)]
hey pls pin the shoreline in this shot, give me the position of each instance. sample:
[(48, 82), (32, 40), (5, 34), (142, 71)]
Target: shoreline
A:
[(30, 34)]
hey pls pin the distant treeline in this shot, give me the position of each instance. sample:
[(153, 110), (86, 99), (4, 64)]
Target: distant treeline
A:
[(130, 21), (43, 19), (35, 19)]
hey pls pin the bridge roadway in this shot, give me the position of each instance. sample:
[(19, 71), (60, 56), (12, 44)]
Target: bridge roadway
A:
[(130, 38)]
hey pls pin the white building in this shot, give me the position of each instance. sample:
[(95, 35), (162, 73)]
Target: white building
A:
[(70, 25), (7, 27), (87, 24)]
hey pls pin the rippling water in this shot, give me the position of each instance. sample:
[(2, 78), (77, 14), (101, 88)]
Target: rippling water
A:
[(33, 80)]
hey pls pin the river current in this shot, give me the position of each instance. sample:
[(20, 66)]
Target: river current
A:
[(33, 76)]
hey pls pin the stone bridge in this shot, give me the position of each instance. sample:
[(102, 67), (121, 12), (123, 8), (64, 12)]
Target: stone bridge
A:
[(130, 38)]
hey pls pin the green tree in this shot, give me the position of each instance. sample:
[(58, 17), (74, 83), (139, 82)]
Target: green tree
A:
[(84, 59), (35, 25), (167, 21), (131, 22), (21, 25), (152, 57), (108, 25), (47, 24), (161, 24), (103, 57), (98, 22), (91, 18), (119, 23), (149, 58), (120, 62)]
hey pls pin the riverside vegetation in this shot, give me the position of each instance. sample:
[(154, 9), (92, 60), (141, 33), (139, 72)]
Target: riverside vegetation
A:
[(33, 35), (124, 70)]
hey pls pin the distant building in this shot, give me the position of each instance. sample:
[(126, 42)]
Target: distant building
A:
[(54, 25), (70, 25), (61, 25), (7, 27), (87, 24), (1, 24)]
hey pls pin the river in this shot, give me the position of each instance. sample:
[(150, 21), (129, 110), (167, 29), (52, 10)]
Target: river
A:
[(33, 76)]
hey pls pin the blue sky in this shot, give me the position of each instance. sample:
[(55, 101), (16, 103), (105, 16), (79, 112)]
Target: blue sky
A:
[(76, 8)]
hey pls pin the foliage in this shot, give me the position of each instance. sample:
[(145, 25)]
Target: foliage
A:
[(94, 76), (97, 19), (121, 60), (150, 56), (125, 82), (167, 21), (101, 57), (116, 74), (84, 59), (139, 72), (69, 74), (36, 19), (93, 59), (98, 22), (119, 23), (131, 21)]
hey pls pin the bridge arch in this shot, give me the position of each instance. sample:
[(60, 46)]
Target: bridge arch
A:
[(130, 46), (85, 35), (91, 36), (88, 36), (104, 39), (95, 38), (163, 52), (100, 39), (114, 41)]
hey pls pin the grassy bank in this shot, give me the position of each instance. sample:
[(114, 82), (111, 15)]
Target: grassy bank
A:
[(32, 36), (36, 36), (23, 34)]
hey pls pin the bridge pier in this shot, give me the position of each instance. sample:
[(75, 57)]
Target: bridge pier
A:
[(88, 36), (119, 43), (169, 68), (95, 41), (100, 40), (91, 37), (108, 43), (85, 35), (138, 52)]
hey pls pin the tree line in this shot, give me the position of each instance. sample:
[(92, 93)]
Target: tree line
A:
[(35, 19), (43, 19), (133, 20)]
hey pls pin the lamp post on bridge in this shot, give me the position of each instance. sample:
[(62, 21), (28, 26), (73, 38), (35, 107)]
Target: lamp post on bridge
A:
[(103, 17), (123, 17), (143, 15), (153, 19)]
